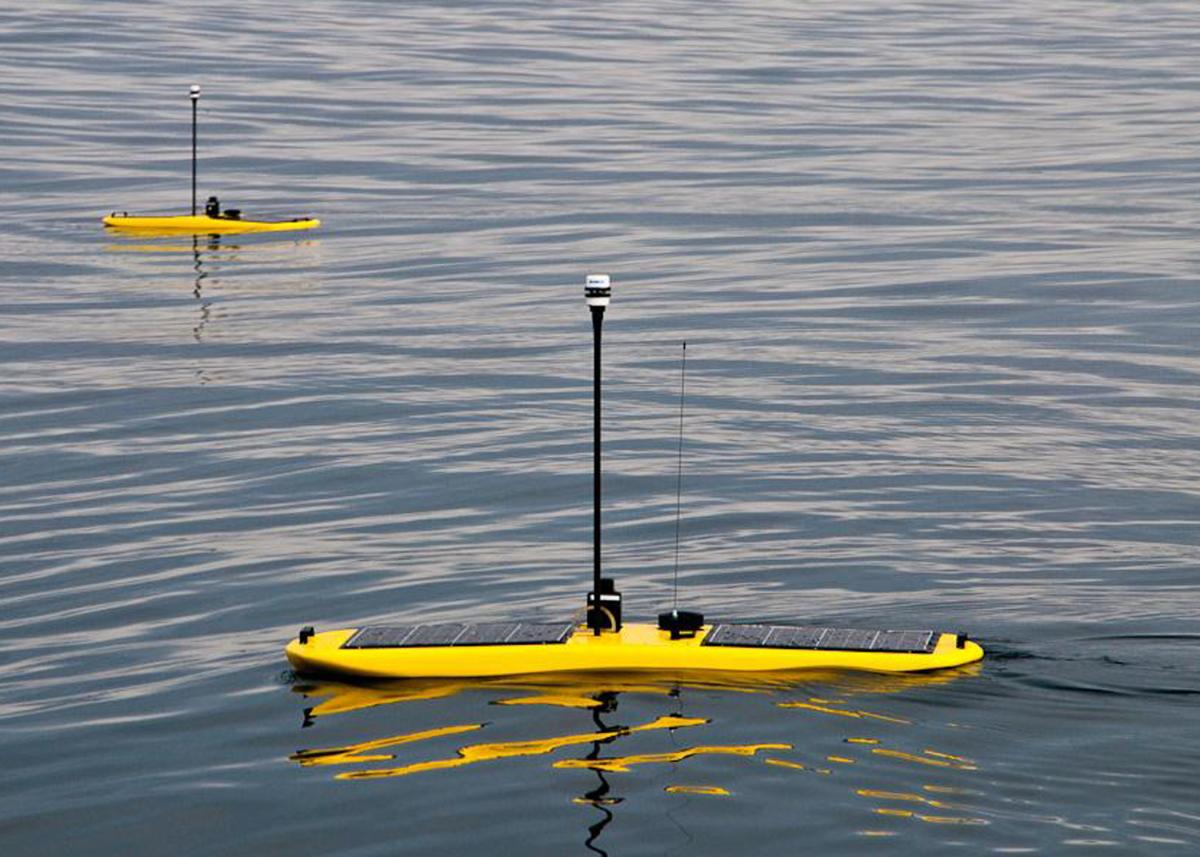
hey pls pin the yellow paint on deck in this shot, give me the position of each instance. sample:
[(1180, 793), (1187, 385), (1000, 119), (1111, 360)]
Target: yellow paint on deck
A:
[(621, 764), (200, 224), (635, 648)]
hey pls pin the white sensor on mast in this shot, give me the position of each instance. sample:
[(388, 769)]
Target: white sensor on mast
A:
[(597, 290), (195, 91)]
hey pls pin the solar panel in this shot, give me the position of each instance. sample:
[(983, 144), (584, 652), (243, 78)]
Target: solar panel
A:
[(486, 633), (911, 641), (460, 634), (435, 635), (786, 637), (737, 635), (805, 637), (380, 636), (530, 633)]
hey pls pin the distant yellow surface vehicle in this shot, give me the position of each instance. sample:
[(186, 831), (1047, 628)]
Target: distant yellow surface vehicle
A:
[(211, 222), (200, 224)]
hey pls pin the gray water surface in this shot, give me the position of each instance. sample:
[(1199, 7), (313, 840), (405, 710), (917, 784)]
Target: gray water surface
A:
[(937, 268)]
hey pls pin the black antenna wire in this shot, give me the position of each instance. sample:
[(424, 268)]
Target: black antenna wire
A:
[(679, 478)]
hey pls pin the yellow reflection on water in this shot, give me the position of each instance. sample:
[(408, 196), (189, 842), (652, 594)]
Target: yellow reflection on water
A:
[(170, 248), (843, 712), (930, 819), (564, 691), (696, 790), (922, 760), (623, 763), (951, 819), (920, 799), (560, 700), (358, 752), (474, 753), (784, 763), (342, 697), (821, 708), (596, 698), (795, 766), (948, 757), (951, 790), (910, 797), (885, 795)]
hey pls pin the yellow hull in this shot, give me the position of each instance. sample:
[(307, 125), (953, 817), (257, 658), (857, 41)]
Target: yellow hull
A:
[(201, 224), (634, 648)]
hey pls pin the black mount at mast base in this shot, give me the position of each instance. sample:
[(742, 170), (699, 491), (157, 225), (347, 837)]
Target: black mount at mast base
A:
[(605, 616), (681, 623)]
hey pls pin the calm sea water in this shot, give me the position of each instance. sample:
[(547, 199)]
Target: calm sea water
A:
[(938, 271)]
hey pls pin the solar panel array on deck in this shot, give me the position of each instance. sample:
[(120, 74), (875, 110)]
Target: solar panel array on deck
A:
[(803, 637), (460, 634)]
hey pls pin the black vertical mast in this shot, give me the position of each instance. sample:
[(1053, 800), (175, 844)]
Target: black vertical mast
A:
[(195, 94), (604, 604)]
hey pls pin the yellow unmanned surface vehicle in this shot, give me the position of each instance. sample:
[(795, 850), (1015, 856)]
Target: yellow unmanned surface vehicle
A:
[(680, 642), (212, 222), (385, 651), (200, 224)]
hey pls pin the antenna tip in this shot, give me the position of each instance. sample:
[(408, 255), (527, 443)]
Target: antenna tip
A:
[(597, 290), (194, 91)]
